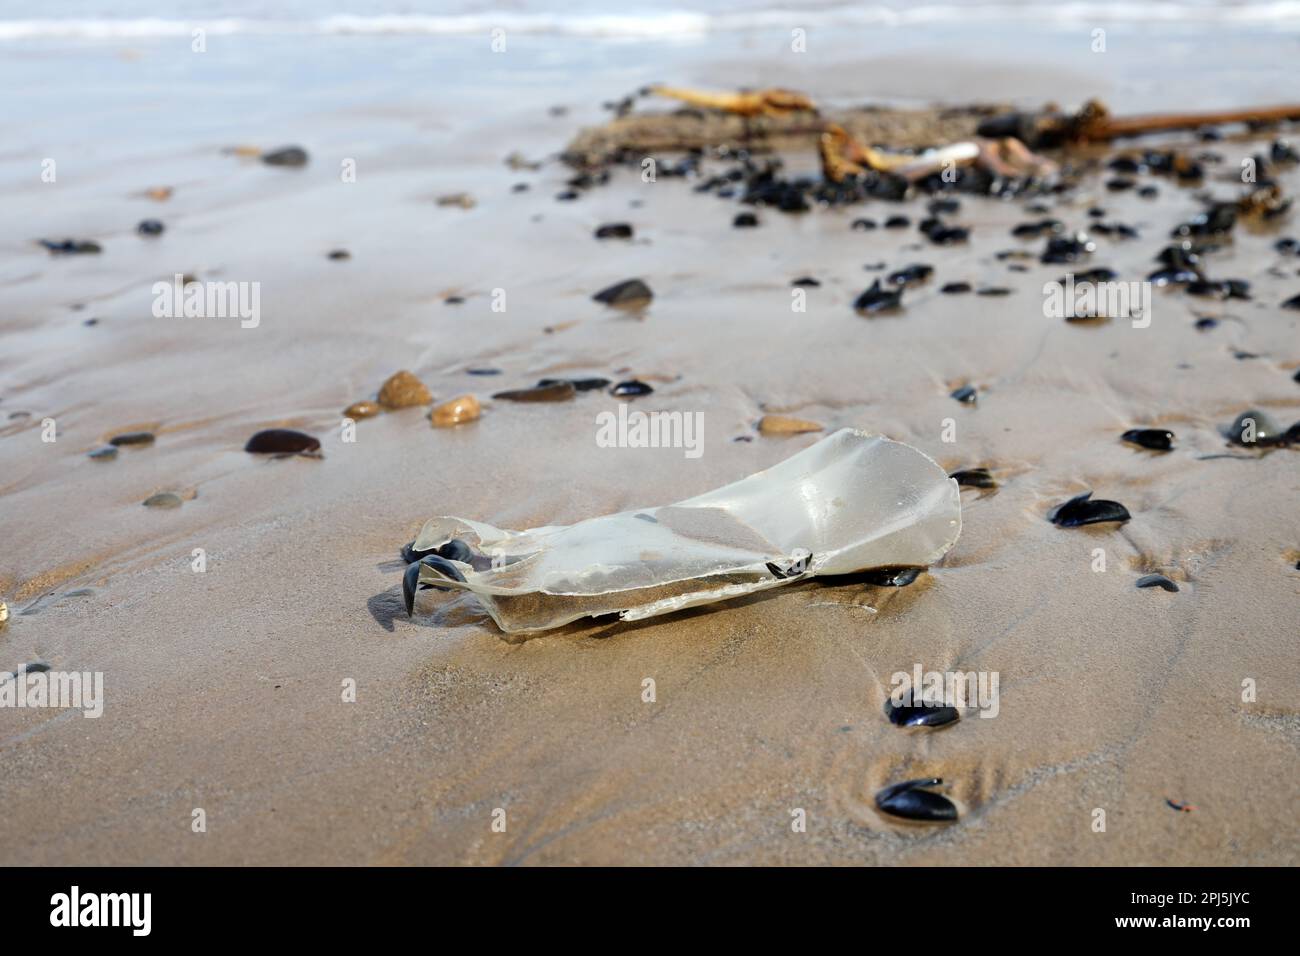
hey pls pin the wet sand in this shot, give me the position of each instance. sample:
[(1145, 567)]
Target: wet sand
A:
[(224, 688)]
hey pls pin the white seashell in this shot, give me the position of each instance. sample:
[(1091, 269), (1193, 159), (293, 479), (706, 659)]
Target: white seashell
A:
[(849, 503)]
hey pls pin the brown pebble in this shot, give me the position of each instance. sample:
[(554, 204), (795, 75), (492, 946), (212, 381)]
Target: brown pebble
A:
[(454, 411), (160, 193), (404, 390), (463, 200), (559, 392), (785, 425), (363, 409)]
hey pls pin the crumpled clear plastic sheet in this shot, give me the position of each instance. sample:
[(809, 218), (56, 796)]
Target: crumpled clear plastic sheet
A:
[(852, 502)]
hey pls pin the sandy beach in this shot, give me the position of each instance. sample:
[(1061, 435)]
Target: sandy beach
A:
[(225, 689)]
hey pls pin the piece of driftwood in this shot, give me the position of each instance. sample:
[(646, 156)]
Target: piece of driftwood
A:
[(652, 134)]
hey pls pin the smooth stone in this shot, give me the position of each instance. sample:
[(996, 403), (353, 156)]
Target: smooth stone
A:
[(454, 411), (786, 425), (628, 292), (132, 438), (163, 499), (1156, 581), (463, 200), (403, 390), (286, 156), (1266, 430), (362, 409), (282, 441), (107, 453), (559, 392), (338, 255)]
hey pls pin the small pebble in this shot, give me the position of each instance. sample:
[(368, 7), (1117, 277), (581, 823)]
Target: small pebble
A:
[(861, 225), (626, 293), (786, 425), (150, 227), (107, 453), (744, 220), (362, 409), (403, 390), (464, 408), (614, 230), (463, 200), (338, 255), (956, 288), (163, 499)]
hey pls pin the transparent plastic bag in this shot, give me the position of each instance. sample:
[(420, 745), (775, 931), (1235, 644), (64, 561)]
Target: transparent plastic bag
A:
[(849, 503)]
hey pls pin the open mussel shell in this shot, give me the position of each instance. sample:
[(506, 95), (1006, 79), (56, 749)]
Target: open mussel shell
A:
[(411, 580), (910, 801)]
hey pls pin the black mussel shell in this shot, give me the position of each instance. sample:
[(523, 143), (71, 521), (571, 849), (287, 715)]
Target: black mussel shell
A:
[(558, 391), (878, 299), (71, 247), (1099, 274), (282, 441), (994, 291), (411, 577), (286, 156), (150, 227), (1156, 581), (909, 801), (614, 230), (941, 207), (745, 220), (132, 438), (863, 224), (805, 282), (920, 715), (1067, 248), (629, 292), (579, 384), (910, 275), (890, 577), (1157, 439), (897, 222), (956, 288), (1292, 303), (974, 478), (1082, 509), (966, 394), (631, 388)]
